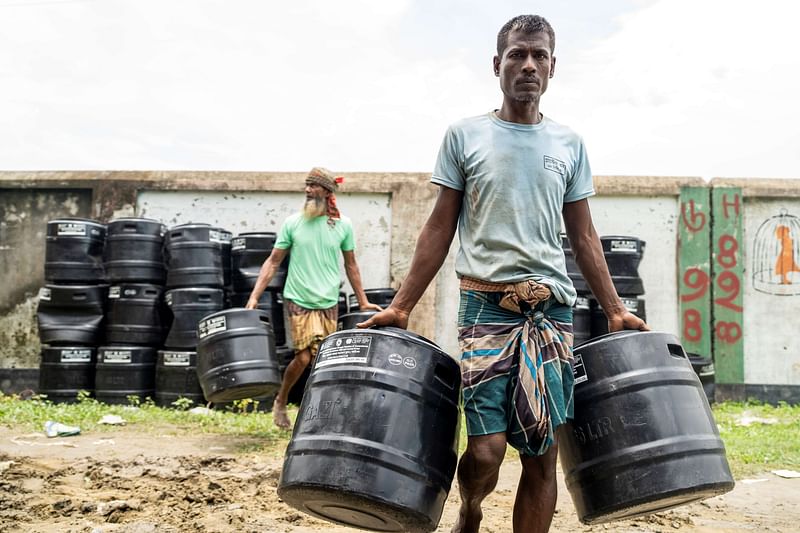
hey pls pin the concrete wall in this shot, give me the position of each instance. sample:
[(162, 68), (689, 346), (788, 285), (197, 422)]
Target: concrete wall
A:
[(23, 225), (388, 211), (771, 309)]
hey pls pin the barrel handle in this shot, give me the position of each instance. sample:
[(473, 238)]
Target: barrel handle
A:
[(175, 234), (265, 319), (79, 296), (676, 350), (151, 292), (129, 226), (204, 297)]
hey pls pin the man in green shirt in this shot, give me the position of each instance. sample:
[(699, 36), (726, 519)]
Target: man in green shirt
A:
[(311, 293)]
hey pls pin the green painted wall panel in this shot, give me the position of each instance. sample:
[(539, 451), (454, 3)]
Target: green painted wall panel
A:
[(727, 265), (694, 270)]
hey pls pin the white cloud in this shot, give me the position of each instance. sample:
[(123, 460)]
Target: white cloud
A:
[(674, 88), (690, 88)]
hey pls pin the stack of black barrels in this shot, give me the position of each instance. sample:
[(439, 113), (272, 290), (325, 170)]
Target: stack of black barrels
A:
[(119, 314), (194, 255), (623, 255), (71, 307), (135, 318)]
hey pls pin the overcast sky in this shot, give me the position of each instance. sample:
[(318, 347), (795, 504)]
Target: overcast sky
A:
[(656, 87)]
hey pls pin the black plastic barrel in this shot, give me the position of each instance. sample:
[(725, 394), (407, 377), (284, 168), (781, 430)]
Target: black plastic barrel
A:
[(236, 355), (136, 314), (193, 255), (133, 251), (349, 320), (375, 441), (225, 238), (643, 439), (71, 314), (74, 251), (272, 303), (176, 377), (623, 254), (248, 253), (66, 370), (342, 307), (382, 297), (704, 368), (123, 372), (581, 320), (188, 307), (599, 321)]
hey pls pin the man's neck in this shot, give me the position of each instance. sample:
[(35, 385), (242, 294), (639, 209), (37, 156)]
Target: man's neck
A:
[(520, 112)]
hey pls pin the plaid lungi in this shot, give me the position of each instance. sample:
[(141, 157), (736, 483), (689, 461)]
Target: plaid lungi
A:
[(516, 367), (309, 326)]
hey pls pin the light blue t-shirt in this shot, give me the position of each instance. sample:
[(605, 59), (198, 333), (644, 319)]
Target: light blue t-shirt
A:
[(516, 179), (313, 277)]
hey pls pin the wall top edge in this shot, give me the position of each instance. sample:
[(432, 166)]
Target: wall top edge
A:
[(764, 187), (645, 185), (354, 181), (366, 181)]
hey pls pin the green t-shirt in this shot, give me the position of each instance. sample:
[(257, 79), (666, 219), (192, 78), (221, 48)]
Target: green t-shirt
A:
[(313, 278)]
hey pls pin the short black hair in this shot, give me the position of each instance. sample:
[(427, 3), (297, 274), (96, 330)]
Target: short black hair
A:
[(527, 24)]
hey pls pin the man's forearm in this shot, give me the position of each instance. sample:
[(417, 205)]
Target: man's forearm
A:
[(354, 277), (265, 275), (590, 259)]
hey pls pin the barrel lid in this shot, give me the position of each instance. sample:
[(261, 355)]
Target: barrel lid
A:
[(134, 219), (76, 220)]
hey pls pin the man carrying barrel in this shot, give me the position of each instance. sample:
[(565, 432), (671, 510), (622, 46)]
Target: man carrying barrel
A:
[(311, 292), (506, 178)]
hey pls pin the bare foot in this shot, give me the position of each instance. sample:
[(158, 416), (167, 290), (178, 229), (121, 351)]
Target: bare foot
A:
[(279, 415), (467, 521)]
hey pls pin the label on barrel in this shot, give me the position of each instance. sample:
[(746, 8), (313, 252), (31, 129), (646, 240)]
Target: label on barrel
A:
[(44, 294), (117, 356), (168, 299), (239, 243), (578, 370), (348, 351), (225, 236), (76, 356), (582, 303), (176, 358), (214, 235), (71, 228), (210, 326), (631, 304), (623, 246), (113, 292)]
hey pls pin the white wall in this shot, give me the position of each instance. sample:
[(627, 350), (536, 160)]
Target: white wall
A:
[(771, 321), (240, 212)]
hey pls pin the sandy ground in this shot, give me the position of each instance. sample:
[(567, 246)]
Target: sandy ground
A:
[(124, 481)]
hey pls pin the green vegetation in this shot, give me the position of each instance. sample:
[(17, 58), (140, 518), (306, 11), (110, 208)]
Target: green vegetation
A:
[(241, 419), (757, 437)]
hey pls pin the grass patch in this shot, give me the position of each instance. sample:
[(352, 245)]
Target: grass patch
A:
[(242, 419), (757, 437)]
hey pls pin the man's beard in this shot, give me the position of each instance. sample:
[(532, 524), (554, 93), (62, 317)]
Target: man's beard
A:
[(314, 207)]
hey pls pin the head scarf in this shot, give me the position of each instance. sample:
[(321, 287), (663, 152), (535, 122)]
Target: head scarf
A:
[(330, 182)]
